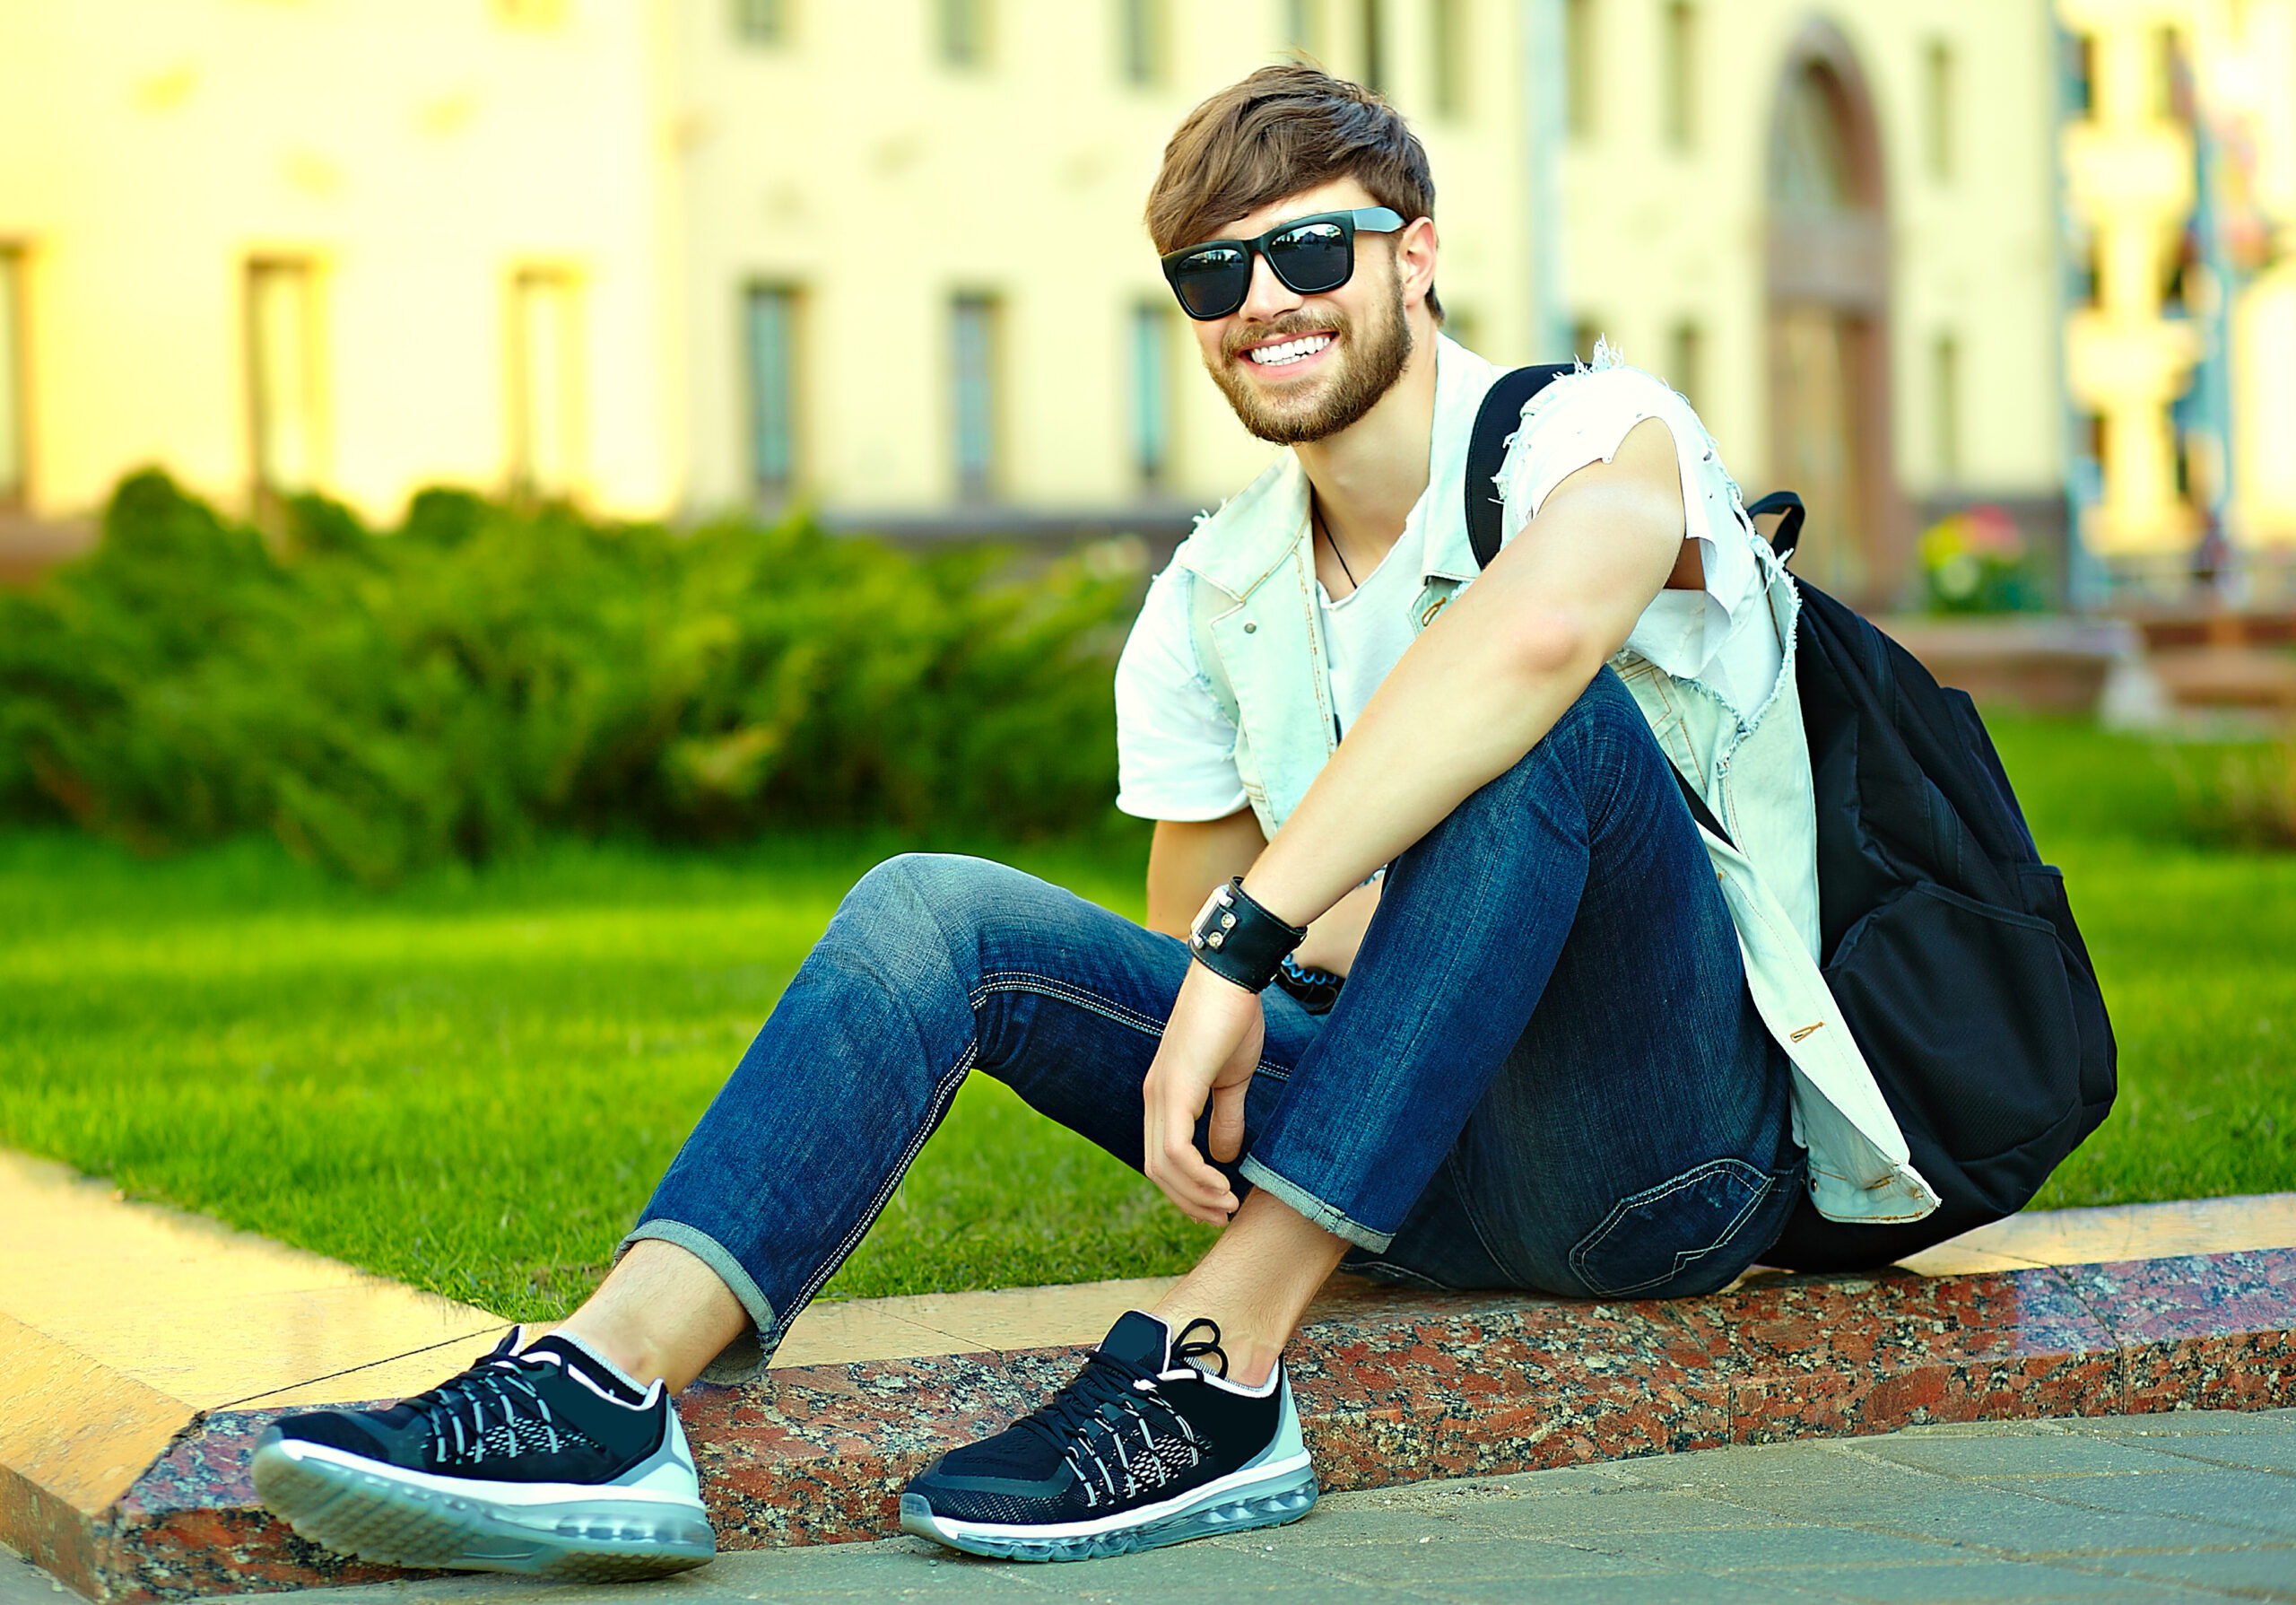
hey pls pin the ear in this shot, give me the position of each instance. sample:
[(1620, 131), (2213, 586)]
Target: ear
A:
[(1416, 250)]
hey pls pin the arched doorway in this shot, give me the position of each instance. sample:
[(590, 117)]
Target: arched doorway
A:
[(1829, 309)]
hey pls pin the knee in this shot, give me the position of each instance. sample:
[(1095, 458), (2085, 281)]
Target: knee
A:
[(914, 909), (1604, 715), (915, 890)]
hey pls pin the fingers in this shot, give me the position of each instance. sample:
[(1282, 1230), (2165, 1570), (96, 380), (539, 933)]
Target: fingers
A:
[(1211, 1044), (1227, 1133), (1168, 1150), (1171, 1160)]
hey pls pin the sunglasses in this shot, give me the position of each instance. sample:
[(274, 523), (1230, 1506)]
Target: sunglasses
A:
[(1309, 254)]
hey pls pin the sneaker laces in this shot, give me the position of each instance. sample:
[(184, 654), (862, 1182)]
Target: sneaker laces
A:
[(455, 1412), (1110, 1396)]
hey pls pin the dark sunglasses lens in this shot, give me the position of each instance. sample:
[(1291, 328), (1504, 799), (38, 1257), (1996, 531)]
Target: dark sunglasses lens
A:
[(1313, 258), (1212, 282)]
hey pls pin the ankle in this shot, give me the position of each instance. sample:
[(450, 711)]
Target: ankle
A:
[(1250, 1349), (1250, 1365), (627, 1351)]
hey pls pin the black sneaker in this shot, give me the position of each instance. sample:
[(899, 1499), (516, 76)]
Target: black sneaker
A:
[(1141, 1449), (549, 1462)]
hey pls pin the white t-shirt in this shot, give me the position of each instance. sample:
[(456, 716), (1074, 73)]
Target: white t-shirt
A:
[(1175, 746)]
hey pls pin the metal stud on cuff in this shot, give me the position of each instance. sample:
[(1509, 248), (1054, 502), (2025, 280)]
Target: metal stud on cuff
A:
[(1239, 941)]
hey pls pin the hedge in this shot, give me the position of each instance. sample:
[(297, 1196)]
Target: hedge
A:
[(383, 701)]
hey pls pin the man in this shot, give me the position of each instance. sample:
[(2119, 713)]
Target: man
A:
[(1545, 1068)]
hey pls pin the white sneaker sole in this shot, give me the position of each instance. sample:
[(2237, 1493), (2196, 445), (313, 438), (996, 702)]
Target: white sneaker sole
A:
[(1263, 1496), (397, 1517)]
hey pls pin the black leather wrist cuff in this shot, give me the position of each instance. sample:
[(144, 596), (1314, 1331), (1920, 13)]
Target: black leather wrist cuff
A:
[(1238, 940)]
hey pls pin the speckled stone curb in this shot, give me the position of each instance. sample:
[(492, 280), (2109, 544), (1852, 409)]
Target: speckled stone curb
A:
[(1396, 1386)]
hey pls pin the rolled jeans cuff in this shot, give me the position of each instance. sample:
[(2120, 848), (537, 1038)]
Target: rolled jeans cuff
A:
[(742, 1359), (1313, 1208)]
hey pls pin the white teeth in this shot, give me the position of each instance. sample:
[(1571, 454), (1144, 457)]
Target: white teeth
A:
[(1291, 351)]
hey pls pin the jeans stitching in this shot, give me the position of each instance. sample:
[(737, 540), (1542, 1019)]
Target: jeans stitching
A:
[(1690, 1178), (1021, 981), (943, 1092)]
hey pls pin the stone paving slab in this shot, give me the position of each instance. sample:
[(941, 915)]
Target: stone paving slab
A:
[(2140, 1508)]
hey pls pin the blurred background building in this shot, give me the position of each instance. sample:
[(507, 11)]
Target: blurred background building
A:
[(2180, 153), (883, 257)]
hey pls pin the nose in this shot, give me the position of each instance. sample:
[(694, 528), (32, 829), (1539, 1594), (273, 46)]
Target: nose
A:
[(1269, 297)]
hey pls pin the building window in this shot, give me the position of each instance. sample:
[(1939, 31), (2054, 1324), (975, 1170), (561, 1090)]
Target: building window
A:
[(545, 382), (762, 22), (1303, 28), (14, 382), (1679, 65), (961, 28), (770, 349), (1152, 393), (284, 380), (1687, 362), (1578, 22), (1945, 405), (1938, 95), (973, 364), (2077, 70), (1140, 41), (1447, 45), (1373, 19)]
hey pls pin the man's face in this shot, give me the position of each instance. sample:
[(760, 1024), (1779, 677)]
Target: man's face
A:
[(1299, 368)]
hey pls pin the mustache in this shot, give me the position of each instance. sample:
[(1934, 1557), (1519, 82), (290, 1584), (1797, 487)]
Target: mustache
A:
[(1280, 329)]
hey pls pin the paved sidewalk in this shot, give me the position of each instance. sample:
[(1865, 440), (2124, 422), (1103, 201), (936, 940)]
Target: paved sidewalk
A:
[(2188, 1505)]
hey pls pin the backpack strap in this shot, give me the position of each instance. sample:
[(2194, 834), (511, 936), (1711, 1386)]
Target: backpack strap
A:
[(1789, 528), (1500, 415), (1698, 808)]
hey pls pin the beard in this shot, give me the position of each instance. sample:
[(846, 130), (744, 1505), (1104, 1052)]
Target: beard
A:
[(1366, 369)]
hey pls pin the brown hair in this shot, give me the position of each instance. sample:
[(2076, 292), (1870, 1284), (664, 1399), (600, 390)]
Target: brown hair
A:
[(1285, 129)]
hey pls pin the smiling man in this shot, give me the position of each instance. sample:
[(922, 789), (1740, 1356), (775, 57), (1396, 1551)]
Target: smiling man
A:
[(1439, 976)]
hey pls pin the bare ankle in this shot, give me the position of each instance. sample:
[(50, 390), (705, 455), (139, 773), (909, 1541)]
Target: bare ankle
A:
[(661, 1314)]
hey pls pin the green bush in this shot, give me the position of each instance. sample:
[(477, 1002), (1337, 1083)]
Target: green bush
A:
[(386, 701)]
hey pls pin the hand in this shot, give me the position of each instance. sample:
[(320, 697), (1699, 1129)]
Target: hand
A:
[(1334, 938), (1209, 1049)]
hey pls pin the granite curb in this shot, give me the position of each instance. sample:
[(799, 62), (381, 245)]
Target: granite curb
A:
[(1394, 1386)]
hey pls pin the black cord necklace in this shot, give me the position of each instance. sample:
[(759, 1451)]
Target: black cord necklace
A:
[(1339, 556)]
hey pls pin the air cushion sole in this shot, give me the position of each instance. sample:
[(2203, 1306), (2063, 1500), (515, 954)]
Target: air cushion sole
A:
[(1266, 1504), (381, 1518)]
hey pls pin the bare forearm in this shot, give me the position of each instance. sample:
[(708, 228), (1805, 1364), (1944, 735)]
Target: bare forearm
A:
[(1484, 682), (1188, 858), (1458, 709)]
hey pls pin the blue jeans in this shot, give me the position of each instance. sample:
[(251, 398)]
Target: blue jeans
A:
[(1545, 1071)]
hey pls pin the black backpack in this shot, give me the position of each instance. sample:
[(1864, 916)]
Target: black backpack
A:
[(1949, 944)]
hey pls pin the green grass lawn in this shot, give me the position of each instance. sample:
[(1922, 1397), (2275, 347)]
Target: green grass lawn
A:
[(472, 1082)]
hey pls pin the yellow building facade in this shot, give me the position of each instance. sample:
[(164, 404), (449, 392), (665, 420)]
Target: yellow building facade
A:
[(1834, 228), (349, 245), (2180, 164), (884, 256)]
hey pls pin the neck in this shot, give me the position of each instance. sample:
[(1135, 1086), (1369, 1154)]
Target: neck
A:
[(1369, 476)]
